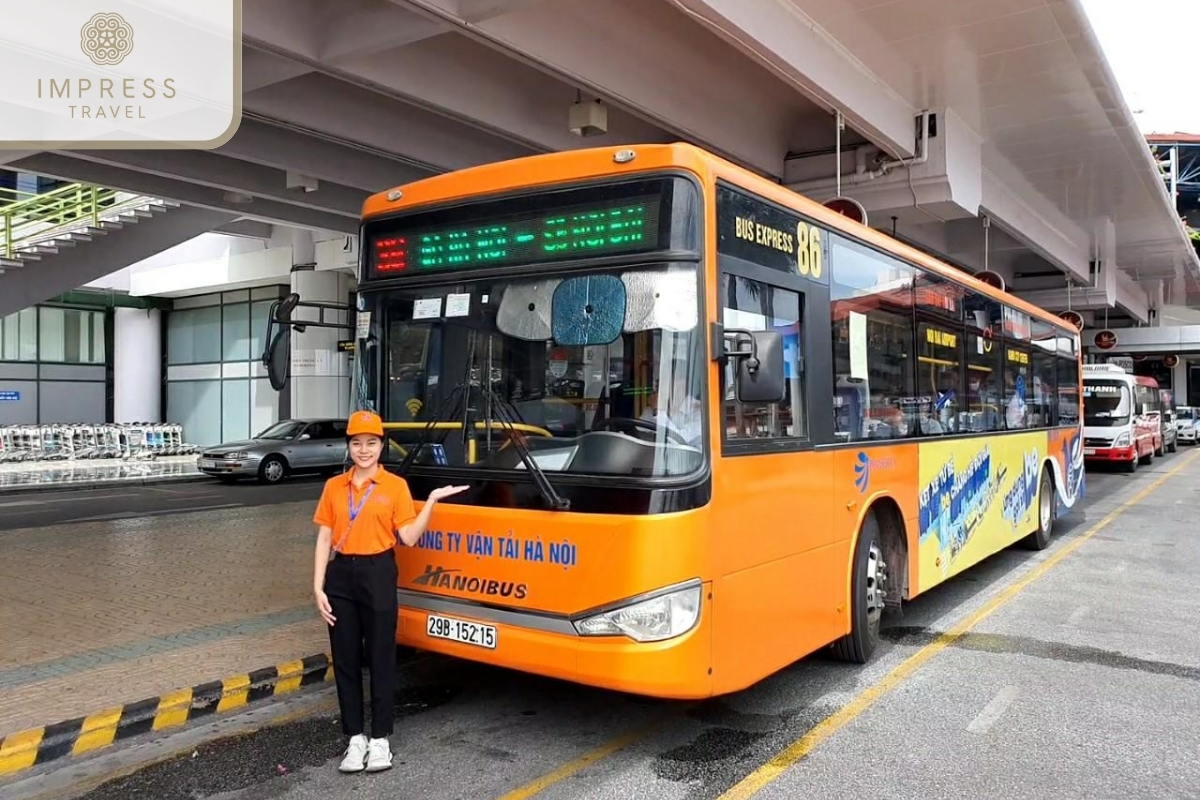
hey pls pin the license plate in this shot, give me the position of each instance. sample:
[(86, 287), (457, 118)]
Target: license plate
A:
[(206, 464), (458, 630), (1089, 451)]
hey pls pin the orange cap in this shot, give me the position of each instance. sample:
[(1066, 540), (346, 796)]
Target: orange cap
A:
[(364, 422)]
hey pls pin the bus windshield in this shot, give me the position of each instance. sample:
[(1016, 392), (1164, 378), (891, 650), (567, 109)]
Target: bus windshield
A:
[(1106, 403), (598, 373)]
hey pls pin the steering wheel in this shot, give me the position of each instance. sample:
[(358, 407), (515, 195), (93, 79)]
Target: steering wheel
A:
[(630, 424)]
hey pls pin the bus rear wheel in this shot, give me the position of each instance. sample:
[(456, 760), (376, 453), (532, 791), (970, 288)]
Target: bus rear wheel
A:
[(1040, 538), (868, 590)]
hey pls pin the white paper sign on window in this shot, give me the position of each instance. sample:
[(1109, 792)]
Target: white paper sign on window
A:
[(858, 346)]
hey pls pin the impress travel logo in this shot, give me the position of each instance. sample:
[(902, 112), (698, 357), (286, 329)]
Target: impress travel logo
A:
[(126, 74)]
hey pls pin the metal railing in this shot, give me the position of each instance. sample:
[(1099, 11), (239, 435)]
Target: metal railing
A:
[(27, 219)]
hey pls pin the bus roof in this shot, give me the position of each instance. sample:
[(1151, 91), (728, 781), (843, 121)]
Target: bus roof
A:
[(1113, 372), (572, 166)]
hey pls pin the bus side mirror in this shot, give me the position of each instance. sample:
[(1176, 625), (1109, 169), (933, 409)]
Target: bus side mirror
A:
[(759, 371)]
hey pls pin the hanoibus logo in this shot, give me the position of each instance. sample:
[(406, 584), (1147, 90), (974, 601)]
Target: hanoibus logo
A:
[(152, 74)]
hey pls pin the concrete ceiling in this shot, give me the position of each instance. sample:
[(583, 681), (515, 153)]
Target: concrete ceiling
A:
[(362, 95)]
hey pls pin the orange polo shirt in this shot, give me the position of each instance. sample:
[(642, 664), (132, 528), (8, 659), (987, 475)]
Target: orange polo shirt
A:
[(388, 508)]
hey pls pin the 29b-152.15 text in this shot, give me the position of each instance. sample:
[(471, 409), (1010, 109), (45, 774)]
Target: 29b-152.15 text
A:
[(458, 630)]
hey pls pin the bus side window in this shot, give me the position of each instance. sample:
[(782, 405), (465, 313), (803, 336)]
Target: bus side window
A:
[(871, 310), (758, 306)]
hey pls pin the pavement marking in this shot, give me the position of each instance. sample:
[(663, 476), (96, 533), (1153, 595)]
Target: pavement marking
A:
[(568, 769), (25, 749), (773, 769), (993, 711), (158, 513), (57, 500)]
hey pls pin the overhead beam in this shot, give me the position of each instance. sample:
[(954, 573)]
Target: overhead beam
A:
[(1024, 214), (352, 113), (75, 169), (249, 228), (273, 144), (608, 49), (781, 35), (371, 31), (228, 174)]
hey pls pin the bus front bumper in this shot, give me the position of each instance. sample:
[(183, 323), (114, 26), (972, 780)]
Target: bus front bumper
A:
[(541, 644), (1109, 454)]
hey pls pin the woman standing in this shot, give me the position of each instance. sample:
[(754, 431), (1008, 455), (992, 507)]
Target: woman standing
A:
[(361, 514)]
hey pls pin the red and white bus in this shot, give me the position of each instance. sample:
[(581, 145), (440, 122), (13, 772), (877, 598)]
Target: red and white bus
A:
[(1122, 416)]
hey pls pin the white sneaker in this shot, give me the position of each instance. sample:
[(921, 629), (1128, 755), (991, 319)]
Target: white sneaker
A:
[(356, 755), (379, 755)]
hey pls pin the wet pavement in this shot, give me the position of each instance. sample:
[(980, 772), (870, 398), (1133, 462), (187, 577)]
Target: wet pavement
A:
[(36, 508), (100, 612), (1080, 682)]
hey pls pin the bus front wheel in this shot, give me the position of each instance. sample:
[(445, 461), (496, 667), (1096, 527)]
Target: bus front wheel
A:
[(868, 590)]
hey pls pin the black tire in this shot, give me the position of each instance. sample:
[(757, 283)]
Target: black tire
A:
[(273, 469), (1046, 513), (1132, 466), (858, 645), (1173, 446)]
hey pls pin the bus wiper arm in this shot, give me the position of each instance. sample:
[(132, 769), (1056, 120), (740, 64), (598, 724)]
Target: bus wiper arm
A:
[(549, 493)]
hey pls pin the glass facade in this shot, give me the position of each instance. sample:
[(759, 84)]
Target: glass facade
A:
[(54, 366), (216, 386)]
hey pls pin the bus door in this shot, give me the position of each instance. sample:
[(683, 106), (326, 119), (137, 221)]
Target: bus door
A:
[(771, 509)]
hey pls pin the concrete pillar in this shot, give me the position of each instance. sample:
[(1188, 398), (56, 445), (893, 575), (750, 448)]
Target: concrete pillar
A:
[(137, 365), (320, 382), (1179, 380)]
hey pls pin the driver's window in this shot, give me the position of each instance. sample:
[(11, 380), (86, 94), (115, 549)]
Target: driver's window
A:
[(759, 306)]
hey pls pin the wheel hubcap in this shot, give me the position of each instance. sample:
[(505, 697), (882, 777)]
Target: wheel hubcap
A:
[(274, 470), (1044, 505), (876, 583)]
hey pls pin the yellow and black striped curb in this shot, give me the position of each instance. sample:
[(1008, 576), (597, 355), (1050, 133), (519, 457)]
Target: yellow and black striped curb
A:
[(37, 746)]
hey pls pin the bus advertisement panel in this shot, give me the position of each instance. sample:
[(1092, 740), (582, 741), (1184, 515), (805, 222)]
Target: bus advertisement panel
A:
[(708, 425)]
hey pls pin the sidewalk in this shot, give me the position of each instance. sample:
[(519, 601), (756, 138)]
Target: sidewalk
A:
[(116, 612), (20, 476)]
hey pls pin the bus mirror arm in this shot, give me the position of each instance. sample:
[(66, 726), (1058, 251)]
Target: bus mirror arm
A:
[(760, 362)]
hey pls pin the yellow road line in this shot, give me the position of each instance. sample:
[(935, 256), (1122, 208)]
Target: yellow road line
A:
[(771, 770), (571, 767)]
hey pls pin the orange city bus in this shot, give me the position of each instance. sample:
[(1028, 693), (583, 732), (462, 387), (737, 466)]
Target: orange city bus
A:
[(709, 426)]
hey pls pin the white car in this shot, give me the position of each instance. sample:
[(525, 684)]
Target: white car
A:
[(1187, 424)]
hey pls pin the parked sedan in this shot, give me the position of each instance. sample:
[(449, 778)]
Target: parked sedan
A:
[(1187, 422), (286, 448)]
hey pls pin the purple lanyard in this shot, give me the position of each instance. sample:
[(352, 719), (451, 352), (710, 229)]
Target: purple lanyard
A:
[(354, 511)]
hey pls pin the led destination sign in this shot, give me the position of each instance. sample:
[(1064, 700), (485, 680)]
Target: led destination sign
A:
[(626, 225)]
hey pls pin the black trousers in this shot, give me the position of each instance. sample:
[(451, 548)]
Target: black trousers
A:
[(362, 594)]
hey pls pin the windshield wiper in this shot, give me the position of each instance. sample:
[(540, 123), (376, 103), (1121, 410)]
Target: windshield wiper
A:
[(462, 393)]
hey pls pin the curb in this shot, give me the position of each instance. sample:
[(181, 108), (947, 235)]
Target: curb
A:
[(23, 488), (31, 748)]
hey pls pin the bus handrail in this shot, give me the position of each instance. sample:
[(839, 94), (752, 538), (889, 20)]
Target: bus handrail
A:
[(446, 426)]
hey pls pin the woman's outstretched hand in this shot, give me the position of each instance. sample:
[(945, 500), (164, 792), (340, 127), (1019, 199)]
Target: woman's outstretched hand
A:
[(446, 491)]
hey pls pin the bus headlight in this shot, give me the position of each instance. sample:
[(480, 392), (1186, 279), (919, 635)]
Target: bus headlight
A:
[(663, 616), (1121, 441)]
